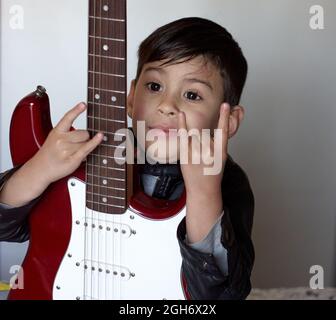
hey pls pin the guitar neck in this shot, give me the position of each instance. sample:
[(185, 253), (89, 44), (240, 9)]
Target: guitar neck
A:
[(106, 178)]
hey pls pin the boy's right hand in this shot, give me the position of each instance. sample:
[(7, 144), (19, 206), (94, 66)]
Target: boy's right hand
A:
[(61, 154), (64, 150)]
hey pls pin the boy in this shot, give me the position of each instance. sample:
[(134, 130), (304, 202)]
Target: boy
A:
[(186, 70)]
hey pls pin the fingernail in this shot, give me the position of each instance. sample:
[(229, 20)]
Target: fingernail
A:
[(225, 106)]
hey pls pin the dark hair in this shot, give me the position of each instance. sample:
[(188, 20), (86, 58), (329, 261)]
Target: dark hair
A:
[(187, 38)]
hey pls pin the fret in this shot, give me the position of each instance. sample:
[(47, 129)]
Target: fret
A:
[(104, 204), (107, 114), (109, 133), (104, 119), (98, 175), (106, 82), (106, 105), (108, 57), (107, 48), (112, 146), (95, 185), (114, 179), (107, 28), (107, 99), (107, 152), (108, 90), (110, 19), (115, 190), (108, 111), (109, 157), (97, 171), (106, 209), (118, 192), (108, 136), (106, 169), (105, 126), (104, 38), (106, 65), (108, 9), (113, 197), (116, 169), (108, 74)]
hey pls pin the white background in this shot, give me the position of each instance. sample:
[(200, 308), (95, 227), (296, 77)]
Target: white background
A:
[(286, 143)]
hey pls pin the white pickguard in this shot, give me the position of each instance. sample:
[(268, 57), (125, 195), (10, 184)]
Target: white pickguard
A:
[(118, 256)]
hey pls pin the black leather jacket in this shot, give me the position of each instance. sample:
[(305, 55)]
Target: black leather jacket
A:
[(203, 278)]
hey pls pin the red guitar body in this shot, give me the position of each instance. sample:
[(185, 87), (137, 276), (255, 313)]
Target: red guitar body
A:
[(50, 219)]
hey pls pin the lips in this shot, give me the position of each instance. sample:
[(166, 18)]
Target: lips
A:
[(163, 128)]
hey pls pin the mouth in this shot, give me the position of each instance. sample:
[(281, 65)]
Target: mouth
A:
[(163, 130)]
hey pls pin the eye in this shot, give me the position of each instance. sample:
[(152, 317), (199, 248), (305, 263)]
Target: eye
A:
[(153, 86), (190, 95)]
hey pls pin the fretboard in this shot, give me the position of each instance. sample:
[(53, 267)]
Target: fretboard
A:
[(106, 180)]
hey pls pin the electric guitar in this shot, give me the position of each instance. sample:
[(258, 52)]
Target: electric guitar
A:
[(95, 234)]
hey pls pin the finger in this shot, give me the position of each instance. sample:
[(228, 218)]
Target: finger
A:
[(222, 136), (89, 146), (79, 136), (182, 122), (183, 138), (66, 122)]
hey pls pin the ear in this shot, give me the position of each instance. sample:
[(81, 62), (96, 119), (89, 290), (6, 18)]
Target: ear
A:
[(130, 100), (236, 117)]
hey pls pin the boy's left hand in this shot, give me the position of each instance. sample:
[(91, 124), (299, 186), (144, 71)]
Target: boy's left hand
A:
[(193, 174), (204, 195)]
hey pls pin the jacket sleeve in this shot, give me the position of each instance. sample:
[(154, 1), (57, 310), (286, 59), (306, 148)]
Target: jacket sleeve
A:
[(212, 244), (203, 277), (14, 225)]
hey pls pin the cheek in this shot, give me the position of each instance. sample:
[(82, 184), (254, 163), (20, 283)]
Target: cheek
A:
[(141, 108), (139, 113), (198, 120)]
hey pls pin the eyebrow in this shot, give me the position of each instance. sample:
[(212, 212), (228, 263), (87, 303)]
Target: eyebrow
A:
[(154, 69), (207, 83), (190, 80)]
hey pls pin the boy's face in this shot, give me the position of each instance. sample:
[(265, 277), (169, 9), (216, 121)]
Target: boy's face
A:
[(194, 87)]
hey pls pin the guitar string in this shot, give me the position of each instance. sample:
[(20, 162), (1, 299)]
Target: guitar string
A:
[(87, 273), (120, 4), (100, 151), (118, 217), (115, 251), (94, 115), (102, 232), (86, 225), (117, 261), (86, 185), (111, 245)]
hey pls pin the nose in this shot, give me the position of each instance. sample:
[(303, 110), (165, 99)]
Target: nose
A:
[(168, 108)]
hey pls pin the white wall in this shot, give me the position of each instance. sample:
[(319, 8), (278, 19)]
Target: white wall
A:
[(286, 144)]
